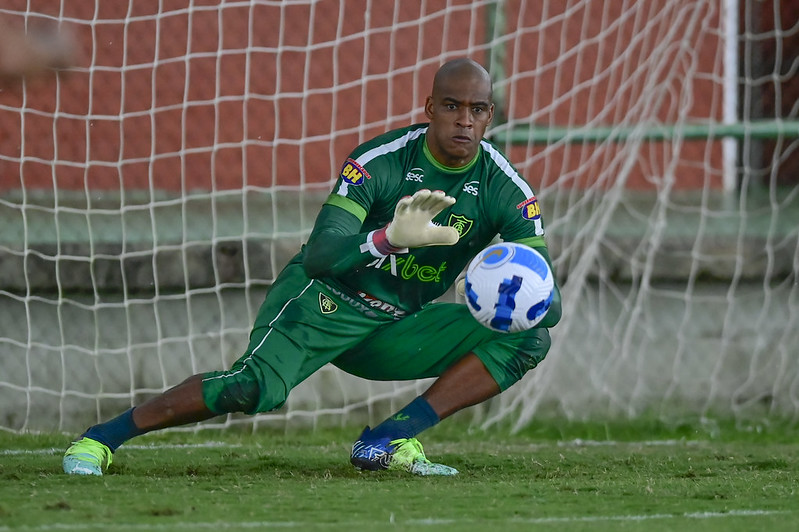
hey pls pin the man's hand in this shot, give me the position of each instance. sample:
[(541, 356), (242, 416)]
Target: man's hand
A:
[(460, 287), (412, 226)]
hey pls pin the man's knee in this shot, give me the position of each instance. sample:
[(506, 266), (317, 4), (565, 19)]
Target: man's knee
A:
[(535, 348), (509, 357), (236, 397), (236, 390)]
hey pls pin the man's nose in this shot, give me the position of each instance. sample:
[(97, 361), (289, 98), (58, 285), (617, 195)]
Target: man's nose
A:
[(465, 118)]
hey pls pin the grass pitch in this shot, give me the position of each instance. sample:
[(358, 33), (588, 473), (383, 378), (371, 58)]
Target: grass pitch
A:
[(545, 479)]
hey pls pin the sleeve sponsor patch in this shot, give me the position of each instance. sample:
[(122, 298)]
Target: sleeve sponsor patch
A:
[(353, 173), (530, 209)]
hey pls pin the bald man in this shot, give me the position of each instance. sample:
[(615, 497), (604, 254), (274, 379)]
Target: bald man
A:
[(409, 210)]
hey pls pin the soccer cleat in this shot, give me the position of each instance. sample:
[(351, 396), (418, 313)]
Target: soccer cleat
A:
[(87, 457), (372, 455), (403, 454), (409, 456)]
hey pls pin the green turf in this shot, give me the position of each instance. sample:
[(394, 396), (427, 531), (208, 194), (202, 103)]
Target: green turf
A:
[(572, 478)]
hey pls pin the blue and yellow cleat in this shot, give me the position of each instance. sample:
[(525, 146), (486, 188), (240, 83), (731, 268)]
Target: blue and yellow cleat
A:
[(87, 457), (371, 454), (403, 454)]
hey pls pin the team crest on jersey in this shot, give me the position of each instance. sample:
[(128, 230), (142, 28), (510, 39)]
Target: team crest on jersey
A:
[(461, 224), (530, 209), (353, 173), (327, 305)]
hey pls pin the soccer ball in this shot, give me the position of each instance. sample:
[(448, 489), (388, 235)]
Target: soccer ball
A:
[(509, 287)]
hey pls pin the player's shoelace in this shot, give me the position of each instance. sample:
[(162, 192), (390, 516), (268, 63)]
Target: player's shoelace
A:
[(409, 456), (87, 457)]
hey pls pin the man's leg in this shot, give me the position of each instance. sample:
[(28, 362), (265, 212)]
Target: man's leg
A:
[(471, 362), (258, 382), (177, 406), (437, 342), (466, 383), (180, 405)]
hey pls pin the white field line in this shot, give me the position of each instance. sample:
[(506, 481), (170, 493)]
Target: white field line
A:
[(173, 525), (53, 450), (214, 444)]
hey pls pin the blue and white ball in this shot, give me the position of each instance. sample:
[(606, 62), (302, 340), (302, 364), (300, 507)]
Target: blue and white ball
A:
[(509, 287)]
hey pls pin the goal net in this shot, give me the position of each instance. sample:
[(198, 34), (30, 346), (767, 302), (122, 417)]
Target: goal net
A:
[(151, 192)]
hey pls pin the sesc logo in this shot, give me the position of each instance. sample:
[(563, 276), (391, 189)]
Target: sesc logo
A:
[(415, 174), (471, 187)]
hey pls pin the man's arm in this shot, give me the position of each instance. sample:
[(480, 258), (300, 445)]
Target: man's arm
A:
[(553, 315), (334, 245)]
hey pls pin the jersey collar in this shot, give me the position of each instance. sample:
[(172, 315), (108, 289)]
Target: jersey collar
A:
[(449, 169)]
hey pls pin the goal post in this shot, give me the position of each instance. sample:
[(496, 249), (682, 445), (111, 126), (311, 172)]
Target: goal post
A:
[(151, 193)]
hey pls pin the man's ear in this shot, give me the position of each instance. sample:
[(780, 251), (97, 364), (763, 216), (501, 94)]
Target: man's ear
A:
[(428, 108), (490, 114)]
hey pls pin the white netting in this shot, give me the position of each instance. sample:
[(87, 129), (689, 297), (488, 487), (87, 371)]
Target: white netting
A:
[(151, 193)]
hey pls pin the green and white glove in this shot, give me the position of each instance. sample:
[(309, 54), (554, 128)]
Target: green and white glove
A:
[(412, 226)]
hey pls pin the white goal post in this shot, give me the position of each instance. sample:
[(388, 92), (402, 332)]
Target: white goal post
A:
[(151, 192)]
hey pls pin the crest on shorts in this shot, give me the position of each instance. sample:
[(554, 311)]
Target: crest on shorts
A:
[(327, 305), (461, 224)]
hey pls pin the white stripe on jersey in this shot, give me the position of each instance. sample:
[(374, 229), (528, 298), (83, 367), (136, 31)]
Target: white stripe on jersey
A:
[(496, 156), (383, 149), (246, 360), (392, 146), (504, 165)]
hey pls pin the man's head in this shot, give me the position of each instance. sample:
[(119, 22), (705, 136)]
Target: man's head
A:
[(459, 111)]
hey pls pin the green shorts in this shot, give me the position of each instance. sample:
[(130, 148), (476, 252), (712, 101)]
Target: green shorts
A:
[(304, 324)]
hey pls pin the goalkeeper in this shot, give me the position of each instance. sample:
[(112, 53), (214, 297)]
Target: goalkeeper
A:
[(409, 210)]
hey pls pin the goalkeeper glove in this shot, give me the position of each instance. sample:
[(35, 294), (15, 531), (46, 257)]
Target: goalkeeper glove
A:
[(460, 287), (413, 227)]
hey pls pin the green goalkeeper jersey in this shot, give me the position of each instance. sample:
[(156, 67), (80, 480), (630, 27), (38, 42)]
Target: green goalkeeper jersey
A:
[(491, 199)]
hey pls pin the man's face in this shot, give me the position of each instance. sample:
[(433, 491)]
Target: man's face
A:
[(459, 111)]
